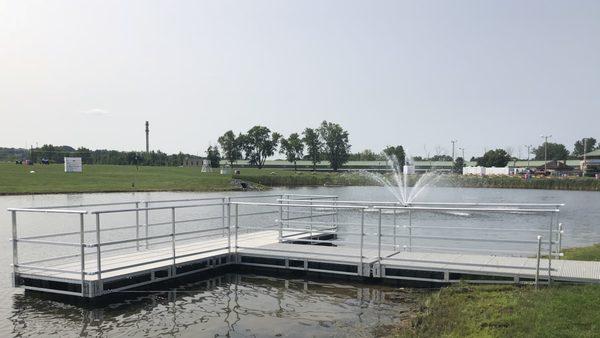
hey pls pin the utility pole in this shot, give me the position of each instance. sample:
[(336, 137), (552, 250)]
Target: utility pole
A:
[(453, 142), (545, 137), (529, 146), (147, 137), (584, 157)]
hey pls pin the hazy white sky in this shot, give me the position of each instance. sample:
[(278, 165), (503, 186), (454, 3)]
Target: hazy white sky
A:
[(416, 73)]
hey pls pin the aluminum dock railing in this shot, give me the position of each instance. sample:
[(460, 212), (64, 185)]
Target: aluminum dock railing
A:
[(97, 249)]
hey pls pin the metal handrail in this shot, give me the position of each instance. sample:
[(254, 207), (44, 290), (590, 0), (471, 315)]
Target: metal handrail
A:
[(230, 227), (465, 209), (553, 205), (112, 211), (49, 211)]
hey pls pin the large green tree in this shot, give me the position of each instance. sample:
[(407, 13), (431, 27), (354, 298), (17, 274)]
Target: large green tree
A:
[(494, 158), (590, 144), (459, 163), (231, 146), (314, 145), (213, 155), (556, 151), (398, 152), (293, 148), (336, 144), (259, 143)]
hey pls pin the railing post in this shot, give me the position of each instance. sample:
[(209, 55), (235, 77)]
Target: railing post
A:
[(229, 225), (82, 252), (280, 221), (311, 213), (395, 225), (173, 239), (409, 230), (15, 243), (550, 249), (223, 216), (236, 227), (539, 256), (379, 238), (560, 233), (335, 214), (98, 252), (146, 222), (362, 234), (287, 197), (137, 225)]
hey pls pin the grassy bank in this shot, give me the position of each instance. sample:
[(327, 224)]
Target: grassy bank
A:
[(276, 178), (513, 182), (17, 179), (511, 311)]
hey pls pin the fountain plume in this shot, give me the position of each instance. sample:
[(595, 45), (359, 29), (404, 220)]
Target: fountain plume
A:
[(400, 185)]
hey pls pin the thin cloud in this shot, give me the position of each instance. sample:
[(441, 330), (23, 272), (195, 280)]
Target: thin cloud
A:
[(96, 112)]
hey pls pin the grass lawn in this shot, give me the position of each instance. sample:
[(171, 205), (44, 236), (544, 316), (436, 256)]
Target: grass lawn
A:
[(512, 311), (17, 179)]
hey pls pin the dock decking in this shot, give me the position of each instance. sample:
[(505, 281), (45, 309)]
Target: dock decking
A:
[(263, 249), (105, 266)]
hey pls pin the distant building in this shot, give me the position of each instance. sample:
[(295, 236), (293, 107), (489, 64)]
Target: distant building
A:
[(487, 171), (590, 162), (556, 167)]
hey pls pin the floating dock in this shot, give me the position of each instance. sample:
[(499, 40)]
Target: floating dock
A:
[(298, 232)]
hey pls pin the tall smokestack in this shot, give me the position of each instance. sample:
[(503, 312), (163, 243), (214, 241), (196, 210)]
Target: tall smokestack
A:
[(147, 137)]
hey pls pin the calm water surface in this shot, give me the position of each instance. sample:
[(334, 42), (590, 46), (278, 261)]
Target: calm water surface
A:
[(246, 305)]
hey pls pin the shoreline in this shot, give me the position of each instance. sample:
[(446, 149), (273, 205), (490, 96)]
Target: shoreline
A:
[(263, 187), (16, 180), (509, 310)]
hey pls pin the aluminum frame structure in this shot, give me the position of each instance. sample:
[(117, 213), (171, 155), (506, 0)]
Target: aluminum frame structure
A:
[(303, 235)]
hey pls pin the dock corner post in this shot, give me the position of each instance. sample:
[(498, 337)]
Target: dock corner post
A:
[(362, 237), (539, 256), (236, 227), (98, 254), (229, 225), (82, 251), (173, 239), (137, 226), (15, 244), (379, 238), (146, 222)]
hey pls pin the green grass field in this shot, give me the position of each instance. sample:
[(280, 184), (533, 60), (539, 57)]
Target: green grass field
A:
[(17, 179), (512, 311)]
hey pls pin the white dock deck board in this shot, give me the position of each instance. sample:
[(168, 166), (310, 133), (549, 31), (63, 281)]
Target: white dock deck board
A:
[(265, 243)]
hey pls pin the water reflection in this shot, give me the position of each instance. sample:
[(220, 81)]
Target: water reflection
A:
[(227, 305)]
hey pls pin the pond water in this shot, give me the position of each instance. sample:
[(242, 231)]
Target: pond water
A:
[(245, 305)]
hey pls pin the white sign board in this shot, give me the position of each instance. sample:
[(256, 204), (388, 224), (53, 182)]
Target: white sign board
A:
[(73, 165)]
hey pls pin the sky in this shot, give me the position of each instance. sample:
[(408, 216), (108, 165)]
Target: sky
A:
[(489, 74)]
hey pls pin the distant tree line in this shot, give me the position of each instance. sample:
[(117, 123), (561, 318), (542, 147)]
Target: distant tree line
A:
[(56, 154), (328, 142)]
